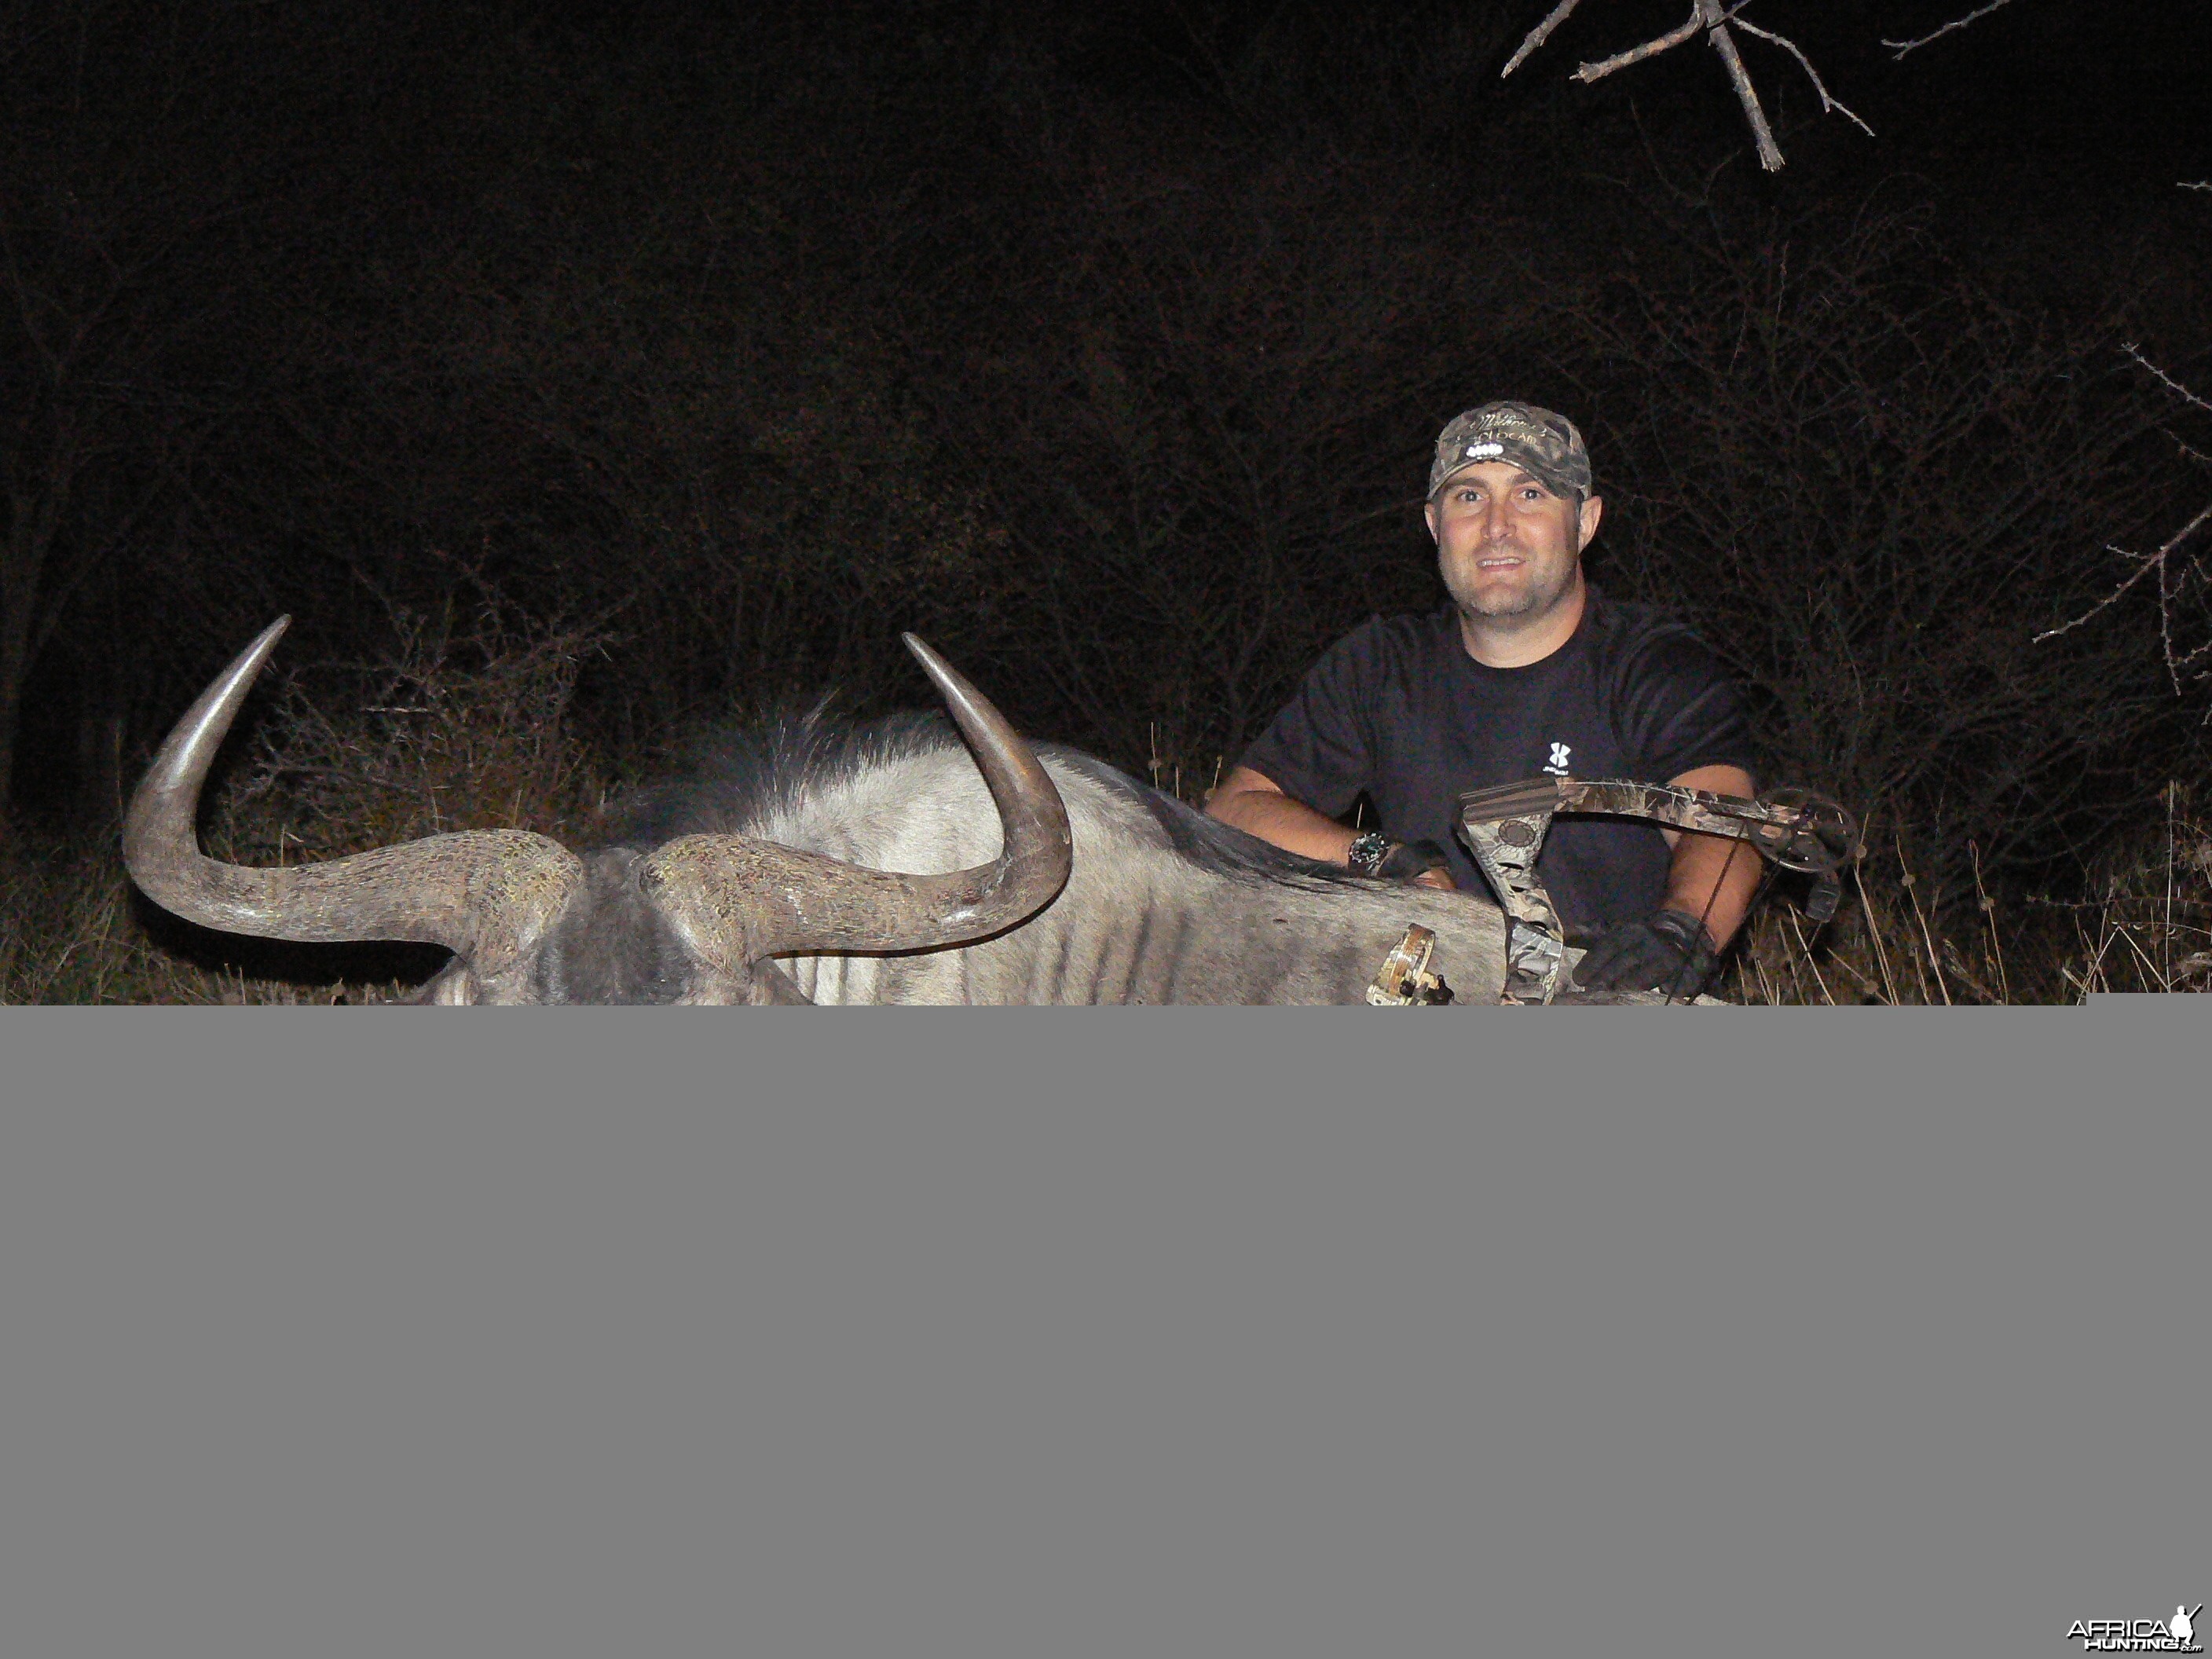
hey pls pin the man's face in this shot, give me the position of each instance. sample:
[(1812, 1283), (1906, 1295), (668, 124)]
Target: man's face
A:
[(1508, 547)]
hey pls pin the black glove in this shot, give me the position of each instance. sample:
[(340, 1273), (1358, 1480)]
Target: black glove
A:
[(1668, 951), (1410, 858)]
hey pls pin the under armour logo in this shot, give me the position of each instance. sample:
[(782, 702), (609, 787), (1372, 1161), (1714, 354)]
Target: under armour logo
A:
[(1557, 766)]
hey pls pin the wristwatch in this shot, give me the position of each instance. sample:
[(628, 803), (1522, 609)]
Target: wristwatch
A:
[(1365, 855)]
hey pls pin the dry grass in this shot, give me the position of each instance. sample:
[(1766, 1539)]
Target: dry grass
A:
[(456, 730), (77, 933), (2143, 923), (468, 729)]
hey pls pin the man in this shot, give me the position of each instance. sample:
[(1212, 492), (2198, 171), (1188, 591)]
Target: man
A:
[(1530, 669)]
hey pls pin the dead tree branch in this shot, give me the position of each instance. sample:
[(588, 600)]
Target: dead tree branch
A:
[(2175, 575), (1900, 47), (1598, 71), (1538, 35), (1712, 19), (1717, 31), (2146, 564), (2165, 378), (1829, 104)]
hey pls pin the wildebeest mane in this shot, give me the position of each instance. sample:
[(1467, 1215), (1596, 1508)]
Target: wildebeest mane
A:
[(1203, 840), (734, 774), (737, 776)]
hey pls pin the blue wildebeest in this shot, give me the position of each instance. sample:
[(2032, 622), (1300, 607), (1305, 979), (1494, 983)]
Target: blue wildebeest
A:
[(831, 864)]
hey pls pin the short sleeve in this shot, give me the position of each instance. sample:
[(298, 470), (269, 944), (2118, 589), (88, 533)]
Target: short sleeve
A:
[(1320, 748), (1680, 709)]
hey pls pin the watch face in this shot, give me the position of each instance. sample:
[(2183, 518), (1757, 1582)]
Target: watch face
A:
[(1367, 851)]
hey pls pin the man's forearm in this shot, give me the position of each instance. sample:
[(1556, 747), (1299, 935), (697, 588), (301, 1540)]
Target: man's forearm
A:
[(1273, 817), (1713, 878)]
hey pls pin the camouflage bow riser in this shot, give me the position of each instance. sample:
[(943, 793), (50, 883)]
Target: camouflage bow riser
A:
[(1504, 827)]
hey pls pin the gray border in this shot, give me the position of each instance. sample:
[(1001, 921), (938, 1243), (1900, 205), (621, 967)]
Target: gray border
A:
[(1100, 1332)]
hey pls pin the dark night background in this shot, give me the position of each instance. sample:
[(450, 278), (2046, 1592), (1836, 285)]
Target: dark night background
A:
[(697, 350)]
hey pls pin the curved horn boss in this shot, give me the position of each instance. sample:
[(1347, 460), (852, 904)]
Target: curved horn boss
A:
[(735, 901), (486, 894)]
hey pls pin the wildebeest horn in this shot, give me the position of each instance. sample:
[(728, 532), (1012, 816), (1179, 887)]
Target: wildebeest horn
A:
[(486, 894), (737, 901)]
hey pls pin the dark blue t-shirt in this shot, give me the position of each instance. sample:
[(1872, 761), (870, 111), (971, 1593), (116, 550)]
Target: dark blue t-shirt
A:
[(1398, 708)]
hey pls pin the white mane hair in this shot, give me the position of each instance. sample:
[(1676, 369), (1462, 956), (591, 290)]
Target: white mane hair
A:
[(1163, 903)]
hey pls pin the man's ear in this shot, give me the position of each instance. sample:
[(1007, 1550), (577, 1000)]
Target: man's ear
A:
[(1429, 515), (1593, 510)]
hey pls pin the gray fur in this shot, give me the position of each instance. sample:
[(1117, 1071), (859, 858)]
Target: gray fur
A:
[(1162, 904)]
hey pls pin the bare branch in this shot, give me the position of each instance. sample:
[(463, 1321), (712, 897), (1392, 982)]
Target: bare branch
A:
[(1900, 47), (1770, 152), (2192, 657), (1538, 35), (1827, 103), (2196, 183), (1598, 71), (2165, 378), (1712, 17), (2163, 562), (2175, 576), (2145, 564)]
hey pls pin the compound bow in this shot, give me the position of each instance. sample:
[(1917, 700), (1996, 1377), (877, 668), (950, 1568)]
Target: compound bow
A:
[(1504, 827)]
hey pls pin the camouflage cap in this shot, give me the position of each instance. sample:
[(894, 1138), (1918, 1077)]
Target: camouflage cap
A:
[(1545, 444)]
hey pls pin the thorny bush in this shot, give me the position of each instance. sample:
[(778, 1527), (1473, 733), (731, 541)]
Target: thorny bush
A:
[(1874, 483)]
